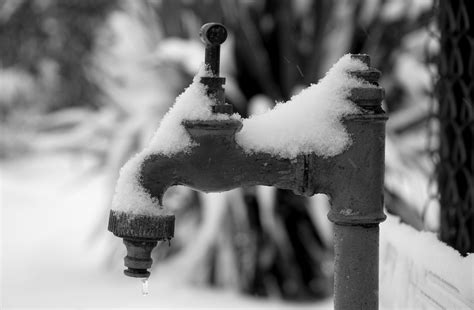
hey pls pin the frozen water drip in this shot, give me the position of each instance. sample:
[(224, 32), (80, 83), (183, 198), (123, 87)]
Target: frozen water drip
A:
[(144, 286)]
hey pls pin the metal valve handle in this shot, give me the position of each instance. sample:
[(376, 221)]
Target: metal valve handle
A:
[(213, 35)]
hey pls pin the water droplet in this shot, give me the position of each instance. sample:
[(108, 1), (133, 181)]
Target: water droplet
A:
[(145, 286)]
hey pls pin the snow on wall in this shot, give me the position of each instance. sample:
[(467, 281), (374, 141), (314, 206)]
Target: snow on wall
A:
[(309, 123), (417, 271)]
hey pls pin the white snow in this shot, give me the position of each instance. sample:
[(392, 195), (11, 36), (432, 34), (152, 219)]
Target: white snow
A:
[(130, 196), (311, 121), (417, 271), (192, 104)]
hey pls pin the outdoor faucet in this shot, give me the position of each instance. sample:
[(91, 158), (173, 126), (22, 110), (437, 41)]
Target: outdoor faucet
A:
[(353, 180)]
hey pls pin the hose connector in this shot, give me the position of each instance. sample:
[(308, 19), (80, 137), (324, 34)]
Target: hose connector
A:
[(140, 234)]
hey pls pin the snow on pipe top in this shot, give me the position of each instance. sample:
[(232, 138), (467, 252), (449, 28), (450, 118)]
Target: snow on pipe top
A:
[(310, 122)]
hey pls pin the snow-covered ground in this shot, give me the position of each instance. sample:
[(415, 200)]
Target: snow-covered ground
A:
[(51, 257)]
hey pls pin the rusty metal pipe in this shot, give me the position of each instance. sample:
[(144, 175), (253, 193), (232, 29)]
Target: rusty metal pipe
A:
[(356, 250)]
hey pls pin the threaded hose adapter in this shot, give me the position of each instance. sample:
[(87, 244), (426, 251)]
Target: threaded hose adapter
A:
[(140, 234)]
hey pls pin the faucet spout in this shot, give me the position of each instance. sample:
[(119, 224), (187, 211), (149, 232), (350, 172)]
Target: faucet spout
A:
[(219, 164)]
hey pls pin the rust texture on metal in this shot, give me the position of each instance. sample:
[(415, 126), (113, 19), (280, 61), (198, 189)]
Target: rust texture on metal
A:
[(353, 180)]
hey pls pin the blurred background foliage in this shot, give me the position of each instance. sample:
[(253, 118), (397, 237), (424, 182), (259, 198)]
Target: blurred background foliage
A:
[(96, 76)]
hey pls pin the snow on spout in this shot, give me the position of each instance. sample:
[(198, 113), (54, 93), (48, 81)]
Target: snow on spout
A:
[(311, 121), (170, 138)]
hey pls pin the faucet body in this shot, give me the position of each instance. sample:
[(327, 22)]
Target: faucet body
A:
[(353, 180), (218, 164)]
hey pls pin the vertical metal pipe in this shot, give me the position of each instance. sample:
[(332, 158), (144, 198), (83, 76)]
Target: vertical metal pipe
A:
[(357, 210), (356, 267), (355, 182)]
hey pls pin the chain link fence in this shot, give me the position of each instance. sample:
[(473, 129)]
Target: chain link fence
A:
[(455, 93)]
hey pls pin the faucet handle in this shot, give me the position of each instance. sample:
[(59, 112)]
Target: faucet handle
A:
[(213, 35)]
